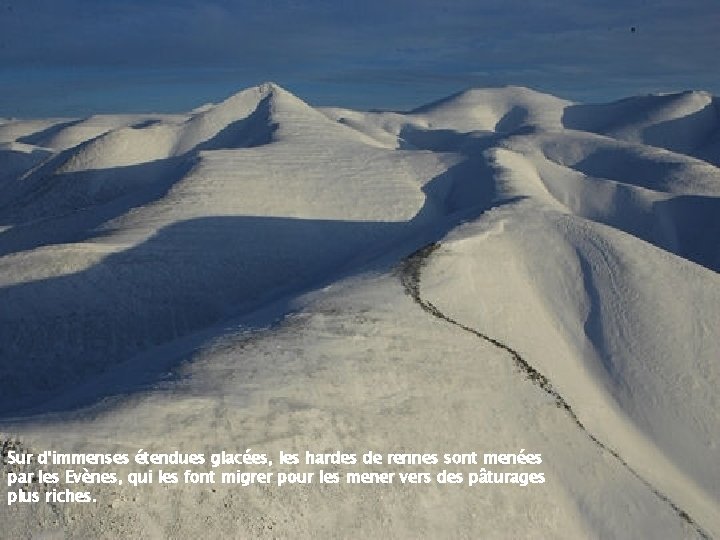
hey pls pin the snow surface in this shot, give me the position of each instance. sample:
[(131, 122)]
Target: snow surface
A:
[(228, 279)]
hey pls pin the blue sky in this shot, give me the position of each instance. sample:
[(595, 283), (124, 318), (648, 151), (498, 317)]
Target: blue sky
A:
[(76, 57)]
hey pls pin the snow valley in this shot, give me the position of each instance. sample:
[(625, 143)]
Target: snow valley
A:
[(500, 272)]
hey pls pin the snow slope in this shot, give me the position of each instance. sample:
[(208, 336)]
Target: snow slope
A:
[(572, 308)]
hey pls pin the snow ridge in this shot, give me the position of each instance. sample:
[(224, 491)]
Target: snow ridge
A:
[(151, 266), (410, 276)]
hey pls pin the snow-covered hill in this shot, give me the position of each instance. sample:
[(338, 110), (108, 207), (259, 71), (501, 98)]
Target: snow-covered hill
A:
[(234, 277)]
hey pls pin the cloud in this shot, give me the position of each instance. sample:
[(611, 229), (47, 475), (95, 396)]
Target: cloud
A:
[(553, 44)]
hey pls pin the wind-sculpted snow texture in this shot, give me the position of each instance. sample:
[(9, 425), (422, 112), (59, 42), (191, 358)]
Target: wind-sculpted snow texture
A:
[(411, 278), (154, 268)]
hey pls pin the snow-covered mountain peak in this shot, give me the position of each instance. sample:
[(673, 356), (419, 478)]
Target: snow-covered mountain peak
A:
[(501, 269)]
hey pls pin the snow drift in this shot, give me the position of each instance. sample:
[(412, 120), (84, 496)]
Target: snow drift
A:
[(142, 259)]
